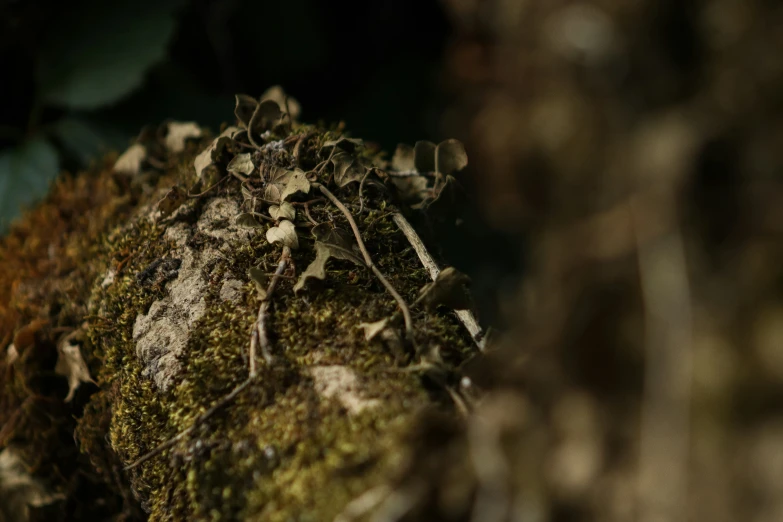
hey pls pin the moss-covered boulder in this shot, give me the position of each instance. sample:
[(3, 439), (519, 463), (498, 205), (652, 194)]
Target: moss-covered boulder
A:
[(208, 296)]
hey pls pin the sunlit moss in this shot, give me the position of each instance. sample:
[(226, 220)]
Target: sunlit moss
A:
[(279, 451)]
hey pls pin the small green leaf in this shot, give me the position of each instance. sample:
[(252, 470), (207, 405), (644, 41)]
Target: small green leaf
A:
[(276, 183), (412, 189), (25, 174), (284, 211), (284, 233), (241, 163), (269, 115)]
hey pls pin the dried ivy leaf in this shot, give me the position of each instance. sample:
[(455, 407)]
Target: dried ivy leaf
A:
[(258, 276), (178, 132), (330, 242), (403, 159), (346, 144), (242, 164), (276, 94), (316, 269), (411, 188), (448, 290), (284, 211), (347, 169), (246, 220), (339, 242), (173, 199), (424, 156), (20, 491), (371, 330), (269, 115), (11, 355), (130, 161), (284, 233), (211, 154), (276, 184), (71, 365), (244, 107), (296, 183), (450, 156)]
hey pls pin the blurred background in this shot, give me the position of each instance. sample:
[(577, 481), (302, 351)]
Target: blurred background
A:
[(622, 214)]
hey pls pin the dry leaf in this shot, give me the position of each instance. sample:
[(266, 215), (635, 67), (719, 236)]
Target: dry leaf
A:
[(246, 220), (178, 132), (241, 163), (19, 490), (71, 365), (258, 276), (411, 188), (284, 233), (448, 290), (129, 162), (316, 269), (347, 169), (371, 330), (296, 183), (276, 184), (403, 161), (210, 154), (346, 144), (173, 199), (11, 354), (284, 211), (276, 94), (330, 242), (450, 157), (244, 108), (424, 156)]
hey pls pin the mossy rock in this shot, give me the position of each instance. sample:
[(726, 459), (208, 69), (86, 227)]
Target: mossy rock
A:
[(158, 300)]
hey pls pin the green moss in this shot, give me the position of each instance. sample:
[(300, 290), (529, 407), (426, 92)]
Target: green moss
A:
[(280, 451)]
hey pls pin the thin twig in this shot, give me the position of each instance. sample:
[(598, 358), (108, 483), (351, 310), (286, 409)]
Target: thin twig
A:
[(406, 314), (309, 217), (208, 189), (298, 147), (466, 317), (664, 440), (260, 335), (199, 420)]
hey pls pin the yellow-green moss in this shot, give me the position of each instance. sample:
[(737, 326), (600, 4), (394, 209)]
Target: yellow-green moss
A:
[(279, 451)]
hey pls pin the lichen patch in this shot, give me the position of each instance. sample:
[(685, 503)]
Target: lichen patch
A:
[(341, 383)]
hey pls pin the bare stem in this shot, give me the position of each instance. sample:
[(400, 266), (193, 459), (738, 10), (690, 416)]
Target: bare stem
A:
[(260, 335), (465, 316), (184, 433), (406, 314)]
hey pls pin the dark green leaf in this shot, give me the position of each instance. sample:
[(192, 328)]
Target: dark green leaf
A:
[(403, 159), (101, 51), (451, 156), (25, 174), (448, 290)]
